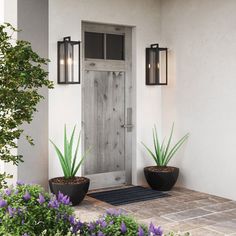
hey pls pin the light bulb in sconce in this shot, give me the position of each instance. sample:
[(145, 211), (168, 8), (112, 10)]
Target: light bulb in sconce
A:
[(69, 61), (149, 66), (62, 62), (158, 65)]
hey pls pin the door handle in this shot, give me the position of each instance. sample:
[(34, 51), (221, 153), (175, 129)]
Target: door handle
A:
[(128, 122), (127, 126)]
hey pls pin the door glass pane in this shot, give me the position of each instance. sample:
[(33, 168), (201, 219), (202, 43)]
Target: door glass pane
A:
[(115, 47), (94, 45)]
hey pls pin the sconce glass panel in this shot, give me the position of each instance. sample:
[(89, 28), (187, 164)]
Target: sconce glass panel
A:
[(68, 61), (156, 65), (163, 66)]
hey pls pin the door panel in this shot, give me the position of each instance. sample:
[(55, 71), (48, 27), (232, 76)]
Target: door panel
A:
[(104, 116), (107, 106)]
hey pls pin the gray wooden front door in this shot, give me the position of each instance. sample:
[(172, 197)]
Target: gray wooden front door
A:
[(105, 114)]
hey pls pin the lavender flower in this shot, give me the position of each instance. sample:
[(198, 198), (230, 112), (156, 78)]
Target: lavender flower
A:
[(8, 192), (114, 212), (53, 203), (140, 231), (11, 211), (41, 199), (60, 196), (3, 203), (27, 196), (20, 182), (64, 199), (91, 226), (123, 228), (103, 223), (100, 233), (72, 220), (25, 234), (77, 227), (155, 231)]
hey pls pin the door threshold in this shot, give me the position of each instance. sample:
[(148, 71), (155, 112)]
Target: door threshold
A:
[(110, 188)]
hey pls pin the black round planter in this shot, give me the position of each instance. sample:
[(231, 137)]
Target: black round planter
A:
[(76, 191), (161, 178)]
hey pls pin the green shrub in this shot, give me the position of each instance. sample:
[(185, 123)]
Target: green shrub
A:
[(22, 74), (113, 223), (29, 211)]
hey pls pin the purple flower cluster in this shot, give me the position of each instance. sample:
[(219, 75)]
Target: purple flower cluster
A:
[(56, 201), (155, 231), (19, 183), (26, 196), (3, 203), (123, 228), (114, 212), (11, 211), (8, 192), (141, 231), (41, 199), (75, 224), (64, 199)]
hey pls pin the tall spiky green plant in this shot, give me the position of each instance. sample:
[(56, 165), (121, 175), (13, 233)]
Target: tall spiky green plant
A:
[(163, 153), (68, 160)]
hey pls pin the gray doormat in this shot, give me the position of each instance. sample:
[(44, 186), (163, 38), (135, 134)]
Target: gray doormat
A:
[(128, 195)]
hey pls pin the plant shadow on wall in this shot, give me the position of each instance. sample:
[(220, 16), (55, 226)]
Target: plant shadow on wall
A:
[(163, 177), (74, 187), (22, 73)]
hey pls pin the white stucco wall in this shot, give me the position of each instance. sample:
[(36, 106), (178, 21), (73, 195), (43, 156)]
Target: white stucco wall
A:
[(32, 18), (65, 19), (201, 97), (1, 11), (1, 21), (33, 21), (10, 15)]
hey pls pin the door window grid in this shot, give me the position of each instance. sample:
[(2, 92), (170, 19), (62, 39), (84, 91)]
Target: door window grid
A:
[(104, 46)]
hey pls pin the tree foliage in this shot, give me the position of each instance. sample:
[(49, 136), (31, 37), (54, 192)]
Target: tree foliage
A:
[(22, 74)]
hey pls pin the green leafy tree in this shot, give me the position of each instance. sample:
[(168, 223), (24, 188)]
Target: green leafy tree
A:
[(22, 74)]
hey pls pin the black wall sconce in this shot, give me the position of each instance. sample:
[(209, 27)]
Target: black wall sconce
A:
[(68, 61), (156, 65)]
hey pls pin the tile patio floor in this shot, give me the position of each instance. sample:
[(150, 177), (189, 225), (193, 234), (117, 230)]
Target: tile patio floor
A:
[(185, 210)]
